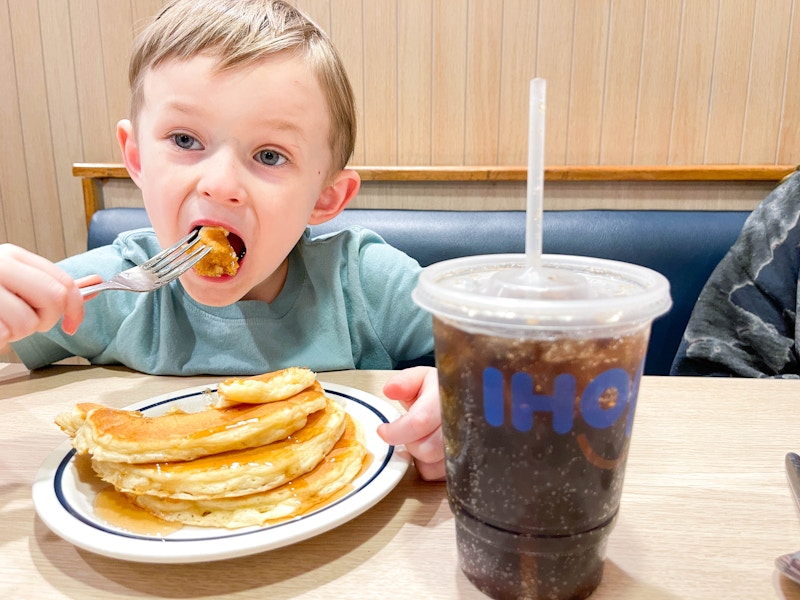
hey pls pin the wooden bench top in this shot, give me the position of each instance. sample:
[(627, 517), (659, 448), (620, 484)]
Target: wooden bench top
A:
[(94, 174)]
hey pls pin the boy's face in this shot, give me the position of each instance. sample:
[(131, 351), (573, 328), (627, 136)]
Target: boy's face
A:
[(246, 149)]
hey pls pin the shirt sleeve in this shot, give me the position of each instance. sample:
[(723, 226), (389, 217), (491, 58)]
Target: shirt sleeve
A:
[(381, 281), (744, 322)]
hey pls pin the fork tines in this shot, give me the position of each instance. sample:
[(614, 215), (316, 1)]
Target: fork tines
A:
[(166, 257), (181, 265)]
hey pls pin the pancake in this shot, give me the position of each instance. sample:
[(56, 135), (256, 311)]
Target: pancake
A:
[(110, 434), (235, 473), (268, 387), (342, 464), (222, 259)]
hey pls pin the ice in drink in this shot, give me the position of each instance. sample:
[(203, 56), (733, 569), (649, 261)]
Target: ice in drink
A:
[(538, 398)]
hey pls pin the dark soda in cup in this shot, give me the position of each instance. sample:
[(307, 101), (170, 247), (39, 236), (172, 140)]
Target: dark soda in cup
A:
[(538, 399)]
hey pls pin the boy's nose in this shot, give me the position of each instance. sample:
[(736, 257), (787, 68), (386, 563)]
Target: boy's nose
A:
[(222, 179)]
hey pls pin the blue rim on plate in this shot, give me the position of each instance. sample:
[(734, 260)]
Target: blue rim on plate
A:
[(65, 503)]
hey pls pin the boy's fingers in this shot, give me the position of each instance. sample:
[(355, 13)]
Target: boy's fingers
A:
[(15, 316), (5, 337), (404, 386), (73, 313), (430, 471), (36, 294), (83, 282), (60, 298), (406, 383), (428, 452), (19, 318), (429, 449), (422, 419)]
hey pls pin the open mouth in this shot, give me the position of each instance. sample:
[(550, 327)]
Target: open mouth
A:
[(238, 246), (226, 251), (236, 243)]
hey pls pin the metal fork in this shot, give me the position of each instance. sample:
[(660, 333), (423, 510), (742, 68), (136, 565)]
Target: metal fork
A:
[(165, 266)]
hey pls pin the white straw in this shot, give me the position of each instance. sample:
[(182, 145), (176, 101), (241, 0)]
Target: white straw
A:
[(533, 225)]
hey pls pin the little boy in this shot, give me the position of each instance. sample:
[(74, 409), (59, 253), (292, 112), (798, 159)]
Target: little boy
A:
[(241, 117)]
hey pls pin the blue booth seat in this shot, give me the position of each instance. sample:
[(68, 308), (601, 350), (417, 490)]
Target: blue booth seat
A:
[(684, 246)]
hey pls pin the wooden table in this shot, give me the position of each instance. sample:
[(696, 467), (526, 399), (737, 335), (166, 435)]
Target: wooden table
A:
[(706, 506)]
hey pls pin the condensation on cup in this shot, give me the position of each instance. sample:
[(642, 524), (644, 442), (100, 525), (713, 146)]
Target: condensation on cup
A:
[(539, 390)]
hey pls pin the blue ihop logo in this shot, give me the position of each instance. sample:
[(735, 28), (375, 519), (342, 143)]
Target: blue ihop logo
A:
[(560, 402)]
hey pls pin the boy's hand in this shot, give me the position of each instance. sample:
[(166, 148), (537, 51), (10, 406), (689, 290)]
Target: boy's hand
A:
[(34, 295), (420, 429)]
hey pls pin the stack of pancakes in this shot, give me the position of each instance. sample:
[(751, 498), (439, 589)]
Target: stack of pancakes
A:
[(268, 448)]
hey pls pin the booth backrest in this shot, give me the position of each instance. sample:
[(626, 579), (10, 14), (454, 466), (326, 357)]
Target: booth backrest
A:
[(684, 246)]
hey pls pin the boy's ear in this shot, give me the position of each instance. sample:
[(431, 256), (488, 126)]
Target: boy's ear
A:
[(130, 149), (336, 196)]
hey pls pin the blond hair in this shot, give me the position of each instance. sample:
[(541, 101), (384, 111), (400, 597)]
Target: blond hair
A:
[(239, 32)]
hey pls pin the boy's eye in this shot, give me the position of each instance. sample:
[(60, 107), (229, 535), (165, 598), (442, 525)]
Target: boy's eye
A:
[(185, 141), (270, 158)]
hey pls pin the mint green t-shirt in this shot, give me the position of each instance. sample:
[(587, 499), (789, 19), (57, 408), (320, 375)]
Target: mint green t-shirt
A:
[(346, 304)]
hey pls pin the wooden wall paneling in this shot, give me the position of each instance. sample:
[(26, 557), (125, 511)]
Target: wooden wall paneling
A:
[(345, 32), (16, 210), (48, 237), (767, 79), (518, 60), (589, 58), (789, 135), (554, 59), (380, 82), (116, 37), (121, 193), (443, 195), (564, 195), (731, 72), (438, 82), (318, 10), (621, 86), (484, 44), (98, 141), (17, 225), (656, 195), (4, 197), (657, 75), (414, 59), (449, 81), (142, 13), (65, 130), (693, 84), (6, 111)]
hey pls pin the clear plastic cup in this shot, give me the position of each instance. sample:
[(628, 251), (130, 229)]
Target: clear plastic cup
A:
[(538, 397)]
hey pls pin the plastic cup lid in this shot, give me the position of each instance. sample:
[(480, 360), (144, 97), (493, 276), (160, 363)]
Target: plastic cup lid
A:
[(611, 293)]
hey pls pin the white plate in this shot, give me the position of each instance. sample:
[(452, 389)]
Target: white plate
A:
[(66, 504)]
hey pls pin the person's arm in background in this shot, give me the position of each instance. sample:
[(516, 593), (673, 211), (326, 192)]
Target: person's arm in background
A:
[(744, 322)]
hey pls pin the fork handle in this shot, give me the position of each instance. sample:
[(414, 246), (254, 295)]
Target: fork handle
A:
[(91, 285), (99, 287)]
